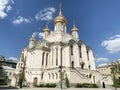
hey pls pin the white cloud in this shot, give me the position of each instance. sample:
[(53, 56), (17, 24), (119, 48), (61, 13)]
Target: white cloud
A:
[(35, 34), (101, 59), (8, 8), (5, 7), (38, 34), (45, 15), (112, 44), (13, 58), (41, 35), (21, 19)]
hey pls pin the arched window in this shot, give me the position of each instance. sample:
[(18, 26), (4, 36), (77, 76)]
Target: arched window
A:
[(80, 52), (46, 59), (52, 76), (35, 81), (87, 55), (71, 50), (56, 56), (61, 56), (52, 56), (42, 75), (49, 75), (56, 75), (89, 66), (43, 58)]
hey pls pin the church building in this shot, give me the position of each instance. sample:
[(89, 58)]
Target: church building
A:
[(58, 52)]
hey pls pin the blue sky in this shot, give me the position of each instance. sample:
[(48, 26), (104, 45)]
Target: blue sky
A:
[(98, 22)]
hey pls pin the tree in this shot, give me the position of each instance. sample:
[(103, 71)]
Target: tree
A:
[(21, 79), (115, 72), (67, 81), (3, 76)]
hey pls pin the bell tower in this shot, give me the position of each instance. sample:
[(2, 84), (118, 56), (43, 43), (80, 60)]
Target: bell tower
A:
[(60, 22), (74, 31), (46, 31)]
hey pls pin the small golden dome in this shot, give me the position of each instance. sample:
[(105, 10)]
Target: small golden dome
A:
[(32, 38), (74, 28), (60, 17), (46, 29)]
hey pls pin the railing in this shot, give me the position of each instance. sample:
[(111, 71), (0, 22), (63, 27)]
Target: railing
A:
[(80, 74)]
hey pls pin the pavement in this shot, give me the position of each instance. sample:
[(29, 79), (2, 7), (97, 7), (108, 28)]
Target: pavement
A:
[(15, 88)]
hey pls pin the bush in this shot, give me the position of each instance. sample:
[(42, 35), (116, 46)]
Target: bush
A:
[(79, 85), (50, 85), (116, 83), (41, 85), (67, 82), (86, 85)]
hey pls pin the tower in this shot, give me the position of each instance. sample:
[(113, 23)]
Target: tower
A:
[(74, 31), (46, 31), (31, 42), (60, 22)]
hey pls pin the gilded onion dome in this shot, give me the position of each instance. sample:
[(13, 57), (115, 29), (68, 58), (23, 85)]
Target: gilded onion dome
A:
[(46, 29), (32, 38), (74, 28), (60, 17)]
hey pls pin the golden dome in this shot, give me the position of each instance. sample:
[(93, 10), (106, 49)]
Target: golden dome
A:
[(32, 38), (74, 28), (60, 17), (46, 29)]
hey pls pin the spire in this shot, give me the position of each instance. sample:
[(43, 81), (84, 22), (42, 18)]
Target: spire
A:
[(60, 7), (60, 17), (46, 24), (32, 38), (74, 23), (46, 28), (22, 57), (74, 26)]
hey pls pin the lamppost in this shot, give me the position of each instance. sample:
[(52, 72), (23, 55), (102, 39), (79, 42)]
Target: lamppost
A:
[(60, 70)]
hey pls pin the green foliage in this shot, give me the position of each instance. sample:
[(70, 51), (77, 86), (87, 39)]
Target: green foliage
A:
[(3, 76), (48, 85), (86, 85), (21, 79), (67, 82), (116, 71), (116, 83), (41, 85), (79, 85)]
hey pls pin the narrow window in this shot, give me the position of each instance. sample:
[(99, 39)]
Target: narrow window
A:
[(52, 56), (87, 54), (46, 59), (56, 56), (42, 76), (61, 56), (89, 67), (80, 51), (43, 58), (71, 50)]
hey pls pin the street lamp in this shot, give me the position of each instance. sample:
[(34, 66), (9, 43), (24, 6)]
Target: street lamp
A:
[(60, 70)]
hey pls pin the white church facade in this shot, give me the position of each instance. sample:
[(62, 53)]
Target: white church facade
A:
[(58, 51)]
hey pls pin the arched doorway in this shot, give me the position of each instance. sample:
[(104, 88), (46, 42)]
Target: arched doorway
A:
[(72, 64), (82, 65), (35, 81)]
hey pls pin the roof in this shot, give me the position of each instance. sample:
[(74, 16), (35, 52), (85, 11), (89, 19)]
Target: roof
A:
[(8, 67)]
